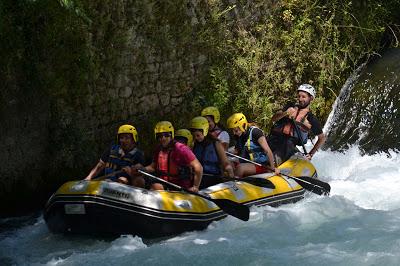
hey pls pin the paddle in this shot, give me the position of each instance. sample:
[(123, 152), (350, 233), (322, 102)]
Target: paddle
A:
[(235, 209), (298, 135), (260, 182), (311, 184)]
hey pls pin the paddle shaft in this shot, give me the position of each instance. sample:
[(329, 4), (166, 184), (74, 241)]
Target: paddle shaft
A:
[(298, 135), (309, 184), (255, 163), (159, 179), (244, 159)]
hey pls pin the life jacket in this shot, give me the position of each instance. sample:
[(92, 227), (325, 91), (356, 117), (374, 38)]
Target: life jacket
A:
[(285, 126), (253, 149), (167, 169), (206, 153), (118, 160)]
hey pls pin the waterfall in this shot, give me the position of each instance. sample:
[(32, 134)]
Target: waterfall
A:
[(366, 112), (337, 108)]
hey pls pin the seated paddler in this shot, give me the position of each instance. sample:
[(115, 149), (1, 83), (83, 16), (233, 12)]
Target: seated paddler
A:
[(210, 152), (252, 145), (173, 161), (121, 156), (215, 129)]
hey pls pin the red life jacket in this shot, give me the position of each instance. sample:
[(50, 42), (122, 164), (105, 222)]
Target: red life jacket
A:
[(301, 116), (285, 126), (165, 168), (168, 170)]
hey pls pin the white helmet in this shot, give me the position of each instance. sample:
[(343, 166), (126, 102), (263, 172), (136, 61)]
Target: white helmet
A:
[(307, 88)]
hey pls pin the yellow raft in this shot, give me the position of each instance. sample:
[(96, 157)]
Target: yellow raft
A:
[(101, 207)]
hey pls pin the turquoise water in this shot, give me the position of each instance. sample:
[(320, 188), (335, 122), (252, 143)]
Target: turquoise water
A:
[(358, 224)]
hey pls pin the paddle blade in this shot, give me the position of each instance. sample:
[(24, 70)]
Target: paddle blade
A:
[(235, 209), (261, 182), (314, 185)]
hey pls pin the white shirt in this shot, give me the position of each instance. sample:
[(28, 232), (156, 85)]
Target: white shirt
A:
[(224, 137)]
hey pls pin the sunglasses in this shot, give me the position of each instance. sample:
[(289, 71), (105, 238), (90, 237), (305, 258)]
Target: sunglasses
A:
[(192, 130), (163, 134)]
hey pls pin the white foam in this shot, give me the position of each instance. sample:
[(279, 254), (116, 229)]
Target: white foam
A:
[(200, 241), (358, 224), (370, 181)]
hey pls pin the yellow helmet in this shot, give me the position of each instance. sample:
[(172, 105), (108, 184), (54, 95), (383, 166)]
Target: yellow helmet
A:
[(128, 129), (201, 123), (185, 133), (237, 120), (211, 111), (163, 126)]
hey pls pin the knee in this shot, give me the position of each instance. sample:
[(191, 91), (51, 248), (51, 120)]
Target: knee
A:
[(157, 186), (239, 171), (123, 180)]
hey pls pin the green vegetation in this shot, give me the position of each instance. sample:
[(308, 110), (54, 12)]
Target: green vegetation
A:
[(262, 51), (43, 42), (258, 52)]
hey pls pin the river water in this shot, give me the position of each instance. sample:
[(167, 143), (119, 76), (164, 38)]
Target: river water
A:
[(358, 224)]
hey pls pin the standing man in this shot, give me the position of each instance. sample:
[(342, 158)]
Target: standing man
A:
[(121, 157), (284, 138), (174, 161)]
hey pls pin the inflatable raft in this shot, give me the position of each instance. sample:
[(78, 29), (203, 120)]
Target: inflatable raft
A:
[(101, 207)]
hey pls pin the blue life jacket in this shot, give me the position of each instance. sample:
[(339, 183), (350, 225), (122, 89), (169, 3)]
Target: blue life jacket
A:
[(252, 149), (207, 154), (117, 161), (303, 138)]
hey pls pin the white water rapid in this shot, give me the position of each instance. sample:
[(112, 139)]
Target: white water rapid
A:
[(358, 224)]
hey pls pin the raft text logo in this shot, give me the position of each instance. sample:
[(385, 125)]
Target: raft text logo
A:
[(115, 193)]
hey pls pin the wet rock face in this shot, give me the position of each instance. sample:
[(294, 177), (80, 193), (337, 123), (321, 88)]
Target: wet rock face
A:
[(368, 110)]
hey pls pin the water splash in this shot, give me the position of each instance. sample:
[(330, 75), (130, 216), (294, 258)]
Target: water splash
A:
[(366, 112), (359, 224), (337, 108)]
